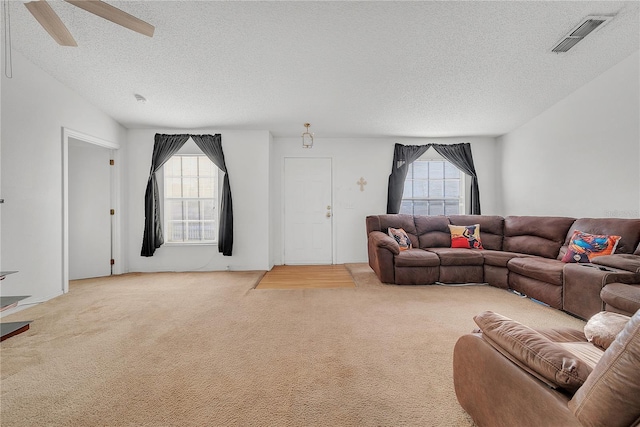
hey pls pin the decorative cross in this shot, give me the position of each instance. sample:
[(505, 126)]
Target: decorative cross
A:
[(361, 183)]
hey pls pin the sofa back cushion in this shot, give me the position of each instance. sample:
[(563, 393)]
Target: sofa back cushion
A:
[(535, 235), (433, 231), (627, 229), (534, 352), (491, 228), (611, 394), (383, 222)]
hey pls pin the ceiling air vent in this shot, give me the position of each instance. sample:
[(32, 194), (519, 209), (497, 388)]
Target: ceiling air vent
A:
[(582, 30)]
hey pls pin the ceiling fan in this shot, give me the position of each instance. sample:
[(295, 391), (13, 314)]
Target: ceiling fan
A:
[(51, 22)]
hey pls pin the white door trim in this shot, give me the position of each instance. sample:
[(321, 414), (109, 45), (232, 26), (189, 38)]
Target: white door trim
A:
[(283, 201), (115, 200)]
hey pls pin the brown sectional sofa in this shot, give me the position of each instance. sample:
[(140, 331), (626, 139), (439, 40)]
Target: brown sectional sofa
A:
[(522, 253)]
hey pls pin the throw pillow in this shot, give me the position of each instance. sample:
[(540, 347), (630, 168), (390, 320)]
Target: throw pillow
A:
[(583, 247), (603, 328), (465, 236), (401, 237)]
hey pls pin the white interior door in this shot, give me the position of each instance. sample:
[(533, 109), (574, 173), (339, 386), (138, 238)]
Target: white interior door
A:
[(308, 211), (89, 206)]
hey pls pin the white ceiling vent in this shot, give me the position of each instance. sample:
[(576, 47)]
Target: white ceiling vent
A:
[(582, 30)]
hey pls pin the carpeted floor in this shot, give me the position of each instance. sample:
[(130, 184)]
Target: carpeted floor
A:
[(206, 349)]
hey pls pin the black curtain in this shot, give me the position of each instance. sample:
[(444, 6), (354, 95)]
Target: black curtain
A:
[(460, 156), (164, 147), (211, 145), (403, 156)]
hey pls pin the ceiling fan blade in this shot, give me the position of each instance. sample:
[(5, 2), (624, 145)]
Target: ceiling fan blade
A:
[(51, 22), (114, 15)]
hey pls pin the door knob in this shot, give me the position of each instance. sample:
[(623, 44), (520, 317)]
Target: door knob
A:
[(328, 207), (328, 214)]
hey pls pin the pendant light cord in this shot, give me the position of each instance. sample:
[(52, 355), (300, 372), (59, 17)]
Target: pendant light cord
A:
[(8, 63)]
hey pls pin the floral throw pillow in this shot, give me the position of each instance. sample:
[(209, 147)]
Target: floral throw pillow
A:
[(584, 247), (465, 236), (401, 237)]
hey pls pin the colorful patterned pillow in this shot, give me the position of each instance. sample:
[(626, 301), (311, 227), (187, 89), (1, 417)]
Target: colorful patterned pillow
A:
[(401, 237), (465, 236), (583, 247)]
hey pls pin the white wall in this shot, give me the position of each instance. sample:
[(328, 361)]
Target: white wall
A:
[(35, 107), (581, 157), (371, 159), (247, 159)]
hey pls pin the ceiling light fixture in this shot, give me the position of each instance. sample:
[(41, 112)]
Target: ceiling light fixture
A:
[(140, 98), (307, 138)]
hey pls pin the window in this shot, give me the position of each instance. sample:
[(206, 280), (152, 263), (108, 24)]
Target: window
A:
[(190, 199), (433, 187)]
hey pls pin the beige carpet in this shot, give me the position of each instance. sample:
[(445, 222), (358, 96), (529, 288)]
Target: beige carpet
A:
[(206, 349)]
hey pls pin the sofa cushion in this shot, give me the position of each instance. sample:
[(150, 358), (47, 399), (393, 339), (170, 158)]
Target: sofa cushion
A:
[(628, 230), (465, 236), (433, 231), (574, 341), (563, 334), (611, 394), (416, 258), (542, 236), (457, 256), (543, 269), (534, 352), (584, 247), (603, 328), (500, 258), (491, 228)]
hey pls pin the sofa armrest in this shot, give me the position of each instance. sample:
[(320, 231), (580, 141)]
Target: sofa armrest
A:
[(583, 283), (384, 241), (382, 249), (626, 262)]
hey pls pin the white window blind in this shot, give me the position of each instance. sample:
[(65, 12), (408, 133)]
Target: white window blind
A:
[(190, 199), (433, 187)]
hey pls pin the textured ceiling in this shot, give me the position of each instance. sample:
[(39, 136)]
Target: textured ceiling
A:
[(420, 69)]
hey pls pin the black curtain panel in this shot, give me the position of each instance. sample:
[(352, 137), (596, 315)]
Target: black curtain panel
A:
[(164, 147), (403, 156), (211, 145), (460, 156)]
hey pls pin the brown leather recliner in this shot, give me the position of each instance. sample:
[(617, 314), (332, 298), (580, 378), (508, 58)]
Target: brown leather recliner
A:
[(507, 374)]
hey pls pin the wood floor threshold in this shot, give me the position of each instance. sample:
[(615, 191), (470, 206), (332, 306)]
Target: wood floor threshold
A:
[(307, 277)]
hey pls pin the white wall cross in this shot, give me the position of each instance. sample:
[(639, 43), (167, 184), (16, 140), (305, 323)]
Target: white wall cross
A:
[(361, 182)]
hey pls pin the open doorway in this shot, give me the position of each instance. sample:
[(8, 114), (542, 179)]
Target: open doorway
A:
[(89, 189)]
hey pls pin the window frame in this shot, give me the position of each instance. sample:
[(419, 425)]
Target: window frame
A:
[(465, 184), (189, 149)]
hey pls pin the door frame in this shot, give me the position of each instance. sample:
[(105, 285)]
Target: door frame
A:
[(116, 238), (283, 201)]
